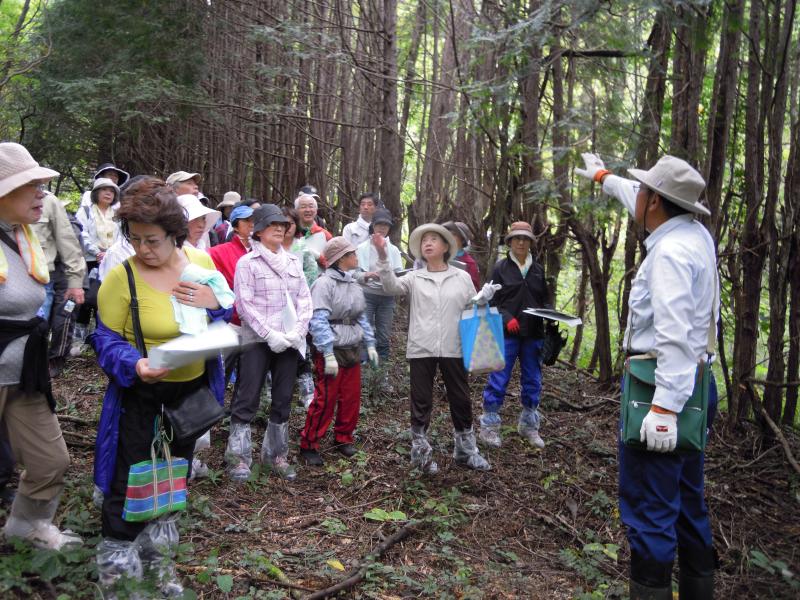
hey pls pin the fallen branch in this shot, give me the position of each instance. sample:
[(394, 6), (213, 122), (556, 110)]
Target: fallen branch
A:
[(78, 420), (779, 434), (357, 574), (284, 583)]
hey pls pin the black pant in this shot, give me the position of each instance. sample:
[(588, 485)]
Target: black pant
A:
[(140, 406), (423, 372), (254, 362), (61, 322), (89, 307), (7, 460)]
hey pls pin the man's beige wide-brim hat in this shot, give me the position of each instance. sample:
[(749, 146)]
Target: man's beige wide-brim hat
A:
[(179, 176), (677, 181), (18, 168), (415, 239)]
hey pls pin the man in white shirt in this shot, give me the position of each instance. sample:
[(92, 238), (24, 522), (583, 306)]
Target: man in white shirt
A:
[(673, 302), (357, 232)]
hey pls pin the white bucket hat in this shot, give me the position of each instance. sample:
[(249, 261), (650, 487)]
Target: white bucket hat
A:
[(194, 209), (677, 181), (18, 168), (415, 239)]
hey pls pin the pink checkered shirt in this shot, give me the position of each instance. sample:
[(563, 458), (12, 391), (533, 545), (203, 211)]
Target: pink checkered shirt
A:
[(260, 283)]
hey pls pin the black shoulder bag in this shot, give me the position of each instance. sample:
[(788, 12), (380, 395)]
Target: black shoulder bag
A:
[(192, 415)]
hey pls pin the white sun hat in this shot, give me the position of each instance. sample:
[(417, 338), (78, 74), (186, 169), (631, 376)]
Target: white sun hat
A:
[(17, 168)]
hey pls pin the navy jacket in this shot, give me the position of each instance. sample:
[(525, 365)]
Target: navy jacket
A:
[(118, 357), (517, 294)]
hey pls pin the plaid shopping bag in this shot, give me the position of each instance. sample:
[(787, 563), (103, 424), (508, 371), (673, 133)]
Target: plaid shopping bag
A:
[(156, 486)]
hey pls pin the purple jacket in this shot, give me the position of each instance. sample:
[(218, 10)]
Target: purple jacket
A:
[(117, 357)]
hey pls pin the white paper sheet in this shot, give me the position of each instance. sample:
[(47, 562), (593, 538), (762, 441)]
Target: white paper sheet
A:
[(316, 242), (186, 349), (554, 315), (289, 315)]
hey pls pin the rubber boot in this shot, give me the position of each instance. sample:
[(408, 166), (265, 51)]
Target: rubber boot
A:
[(239, 451), (465, 451), (528, 427), (650, 579), (421, 452), (696, 577), (158, 544), (490, 429), (32, 520), (639, 591), (118, 565), (275, 450)]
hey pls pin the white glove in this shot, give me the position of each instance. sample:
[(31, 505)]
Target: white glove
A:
[(593, 165), (660, 431), (294, 339), (373, 356), (487, 293), (277, 341), (331, 366)]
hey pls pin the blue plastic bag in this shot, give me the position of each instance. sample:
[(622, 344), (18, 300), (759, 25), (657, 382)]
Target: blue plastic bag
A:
[(482, 342)]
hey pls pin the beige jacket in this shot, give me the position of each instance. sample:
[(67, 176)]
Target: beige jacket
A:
[(58, 240), (436, 302)]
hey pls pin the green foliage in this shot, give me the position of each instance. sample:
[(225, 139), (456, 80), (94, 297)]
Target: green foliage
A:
[(589, 564), (778, 568), (379, 514)]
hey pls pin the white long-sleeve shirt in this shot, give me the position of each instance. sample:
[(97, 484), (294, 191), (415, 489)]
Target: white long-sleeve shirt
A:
[(356, 232), (670, 305)]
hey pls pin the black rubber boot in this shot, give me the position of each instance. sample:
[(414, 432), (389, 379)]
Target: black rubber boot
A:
[(312, 458), (347, 450), (643, 592), (696, 579), (650, 580)]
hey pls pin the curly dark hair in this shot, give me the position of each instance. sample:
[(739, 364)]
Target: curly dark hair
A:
[(151, 201)]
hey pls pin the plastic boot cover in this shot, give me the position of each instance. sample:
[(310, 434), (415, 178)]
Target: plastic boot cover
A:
[(421, 452), (490, 429), (117, 561), (466, 452), (305, 389), (32, 520), (239, 451), (275, 450), (158, 543), (528, 427)]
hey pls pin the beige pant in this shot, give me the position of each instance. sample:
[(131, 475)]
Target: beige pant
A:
[(37, 442)]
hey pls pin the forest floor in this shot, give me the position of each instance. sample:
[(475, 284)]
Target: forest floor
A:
[(540, 524)]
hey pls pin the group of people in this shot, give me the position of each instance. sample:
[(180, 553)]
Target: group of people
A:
[(151, 260)]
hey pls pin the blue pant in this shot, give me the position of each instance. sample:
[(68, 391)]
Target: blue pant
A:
[(380, 313), (528, 351), (661, 499)]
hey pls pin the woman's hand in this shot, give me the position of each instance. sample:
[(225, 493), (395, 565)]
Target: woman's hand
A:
[(101, 255), (147, 374), (380, 245), (195, 294)]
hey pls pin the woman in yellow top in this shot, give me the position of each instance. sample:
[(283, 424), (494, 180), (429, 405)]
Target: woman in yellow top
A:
[(156, 226)]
